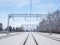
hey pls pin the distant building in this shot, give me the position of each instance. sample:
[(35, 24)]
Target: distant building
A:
[(1, 27), (29, 27), (9, 29)]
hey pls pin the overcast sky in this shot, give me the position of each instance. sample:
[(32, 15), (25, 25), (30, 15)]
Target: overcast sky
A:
[(23, 6)]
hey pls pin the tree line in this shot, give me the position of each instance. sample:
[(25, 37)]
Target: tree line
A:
[(13, 29), (51, 23)]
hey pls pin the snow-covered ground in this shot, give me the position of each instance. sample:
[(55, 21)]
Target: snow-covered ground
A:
[(20, 38), (56, 35), (52, 35), (14, 40), (45, 40), (2, 35)]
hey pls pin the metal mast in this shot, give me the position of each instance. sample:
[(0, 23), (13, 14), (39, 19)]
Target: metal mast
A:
[(30, 7)]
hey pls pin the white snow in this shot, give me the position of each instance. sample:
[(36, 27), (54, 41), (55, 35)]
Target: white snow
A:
[(56, 36), (2, 35), (45, 40), (14, 40), (21, 37)]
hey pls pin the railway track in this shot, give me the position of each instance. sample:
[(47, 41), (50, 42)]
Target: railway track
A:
[(34, 39), (27, 39)]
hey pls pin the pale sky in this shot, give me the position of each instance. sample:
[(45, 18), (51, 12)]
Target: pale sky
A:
[(23, 7)]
